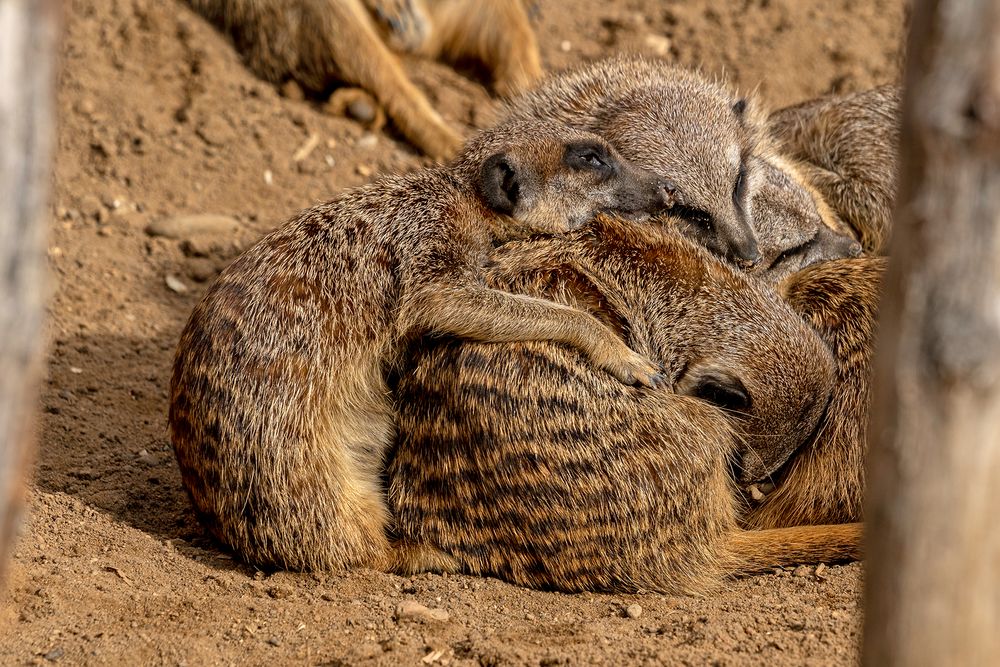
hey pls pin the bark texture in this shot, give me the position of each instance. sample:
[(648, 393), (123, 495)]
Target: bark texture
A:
[(933, 532), (27, 41)]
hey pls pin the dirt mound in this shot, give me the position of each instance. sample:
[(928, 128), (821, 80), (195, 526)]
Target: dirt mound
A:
[(158, 119)]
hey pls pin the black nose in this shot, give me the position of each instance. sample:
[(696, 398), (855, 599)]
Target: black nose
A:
[(722, 389), (668, 193)]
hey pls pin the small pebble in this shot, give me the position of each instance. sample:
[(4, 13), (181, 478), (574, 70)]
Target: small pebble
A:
[(274, 641), (802, 571), (175, 285), (633, 611), (55, 654), (566, 46), (414, 611), (146, 458), (184, 226), (658, 45), (363, 170), (362, 111)]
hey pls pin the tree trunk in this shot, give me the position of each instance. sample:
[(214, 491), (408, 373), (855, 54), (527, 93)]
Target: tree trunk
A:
[(27, 41), (933, 518)]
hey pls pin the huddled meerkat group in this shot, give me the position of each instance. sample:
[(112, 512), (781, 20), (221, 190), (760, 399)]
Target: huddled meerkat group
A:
[(622, 340)]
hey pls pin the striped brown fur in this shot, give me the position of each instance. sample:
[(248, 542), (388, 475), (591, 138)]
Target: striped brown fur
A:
[(522, 462), (280, 413)]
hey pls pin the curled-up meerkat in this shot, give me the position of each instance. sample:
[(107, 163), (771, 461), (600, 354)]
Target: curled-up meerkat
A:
[(280, 413)]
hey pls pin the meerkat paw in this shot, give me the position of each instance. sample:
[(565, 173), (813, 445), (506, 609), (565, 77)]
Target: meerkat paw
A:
[(633, 368), (358, 104), (405, 24)]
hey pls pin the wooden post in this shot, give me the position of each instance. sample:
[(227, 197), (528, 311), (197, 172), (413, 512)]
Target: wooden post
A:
[(27, 42), (933, 516)]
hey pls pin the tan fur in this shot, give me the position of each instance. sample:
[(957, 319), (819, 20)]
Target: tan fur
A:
[(700, 134), (522, 462), (497, 33), (794, 225), (319, 43), (848, 145), (280, 412), (672, 121), (825, 481)]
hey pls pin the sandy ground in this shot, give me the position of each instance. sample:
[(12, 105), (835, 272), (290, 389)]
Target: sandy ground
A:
[(157, 119)]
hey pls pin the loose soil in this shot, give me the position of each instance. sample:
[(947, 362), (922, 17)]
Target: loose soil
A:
[(158, 118)]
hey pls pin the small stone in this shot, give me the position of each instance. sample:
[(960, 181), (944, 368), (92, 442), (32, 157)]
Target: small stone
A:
[(291, 90), (215, 131), (175, 285), (146, 458), (75, 370), (274, 641), (361, 110), (104, 231), (328, 597), (55, 654), (91, 207), (414, 611), (658, 45), (185, 226), (566, 46), (820, 572), (368, 141), (755, 493), (279, 592), (268, 177), (201, 269), (86, 106), (633, 611), (363, 170), (802, 571)]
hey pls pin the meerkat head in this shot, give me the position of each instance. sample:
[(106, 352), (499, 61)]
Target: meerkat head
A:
[(676, 123), (552, 179), (795, 227)]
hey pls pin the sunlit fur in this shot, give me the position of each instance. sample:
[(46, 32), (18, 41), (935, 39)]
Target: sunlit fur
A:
[(280, 413), (521, 461), (321, 43)]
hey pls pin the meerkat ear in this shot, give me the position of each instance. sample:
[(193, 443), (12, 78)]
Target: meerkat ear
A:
[(740, 106), (499, 185)]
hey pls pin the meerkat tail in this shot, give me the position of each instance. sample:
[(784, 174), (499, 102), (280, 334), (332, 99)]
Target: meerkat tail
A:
[(757, 551)]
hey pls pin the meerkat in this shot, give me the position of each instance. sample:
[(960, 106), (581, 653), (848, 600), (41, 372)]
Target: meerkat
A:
[(497, 33), (677, 123), (794, 226), (319, 43), (848, 146), (824, 482), (280, 413), (521, 461)]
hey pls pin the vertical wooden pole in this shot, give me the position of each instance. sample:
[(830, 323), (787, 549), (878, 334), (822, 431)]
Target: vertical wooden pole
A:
[(933, 518), (27, 58)]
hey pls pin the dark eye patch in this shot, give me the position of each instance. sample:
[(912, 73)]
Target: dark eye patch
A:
[(589, 156), (740, 188)]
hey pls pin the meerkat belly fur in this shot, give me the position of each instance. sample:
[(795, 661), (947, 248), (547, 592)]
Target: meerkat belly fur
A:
[(280, 413)]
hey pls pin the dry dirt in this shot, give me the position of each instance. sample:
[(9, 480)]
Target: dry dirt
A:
[(158, 118)]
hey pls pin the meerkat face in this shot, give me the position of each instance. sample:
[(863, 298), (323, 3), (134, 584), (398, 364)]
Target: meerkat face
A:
[(703, 146), (792, 233), (554, 186)]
